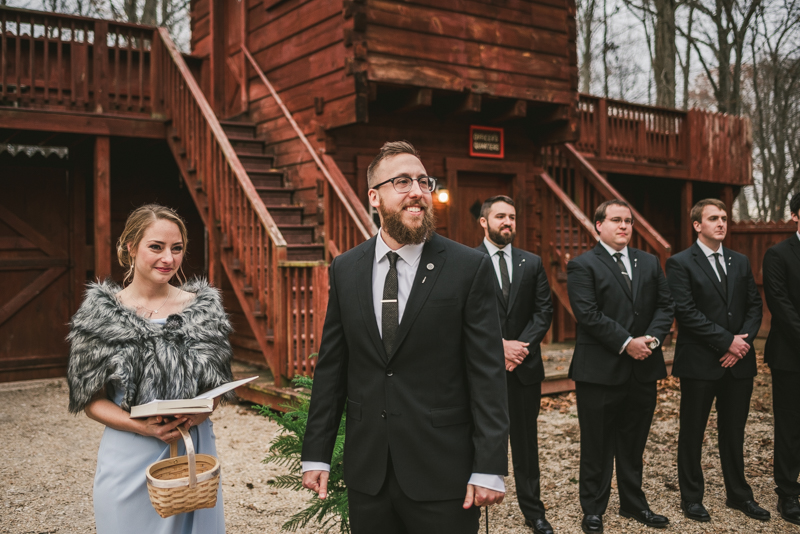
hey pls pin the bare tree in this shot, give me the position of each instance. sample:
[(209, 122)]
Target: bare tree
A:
[(686, 61), (773, 104), (586, 26)]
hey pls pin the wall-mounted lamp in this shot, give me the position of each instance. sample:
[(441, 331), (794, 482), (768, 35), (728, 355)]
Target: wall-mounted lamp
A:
[(443, 195)]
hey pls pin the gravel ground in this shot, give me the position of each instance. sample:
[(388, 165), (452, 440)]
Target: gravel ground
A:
[(49, 459)]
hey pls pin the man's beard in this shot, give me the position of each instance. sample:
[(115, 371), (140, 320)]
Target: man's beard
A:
[(498, 238), (405, 235)]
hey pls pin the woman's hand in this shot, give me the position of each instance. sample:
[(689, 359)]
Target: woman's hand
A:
[(194, 419), (164, 429)]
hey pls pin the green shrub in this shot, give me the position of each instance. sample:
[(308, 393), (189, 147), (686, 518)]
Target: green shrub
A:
[(286, 449)]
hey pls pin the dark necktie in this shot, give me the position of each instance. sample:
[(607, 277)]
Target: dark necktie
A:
[(389, 310), (723, 278), (505, 282), (618, 259)]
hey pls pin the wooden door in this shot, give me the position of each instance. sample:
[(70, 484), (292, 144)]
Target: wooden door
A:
[(235, 69), (35, 290), (472, 190)]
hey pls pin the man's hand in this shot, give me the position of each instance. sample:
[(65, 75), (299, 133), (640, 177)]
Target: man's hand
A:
[(638, 349), (510, 366), (515, 351), (739, 346), (729, 359), (317, 481), (480, 496)]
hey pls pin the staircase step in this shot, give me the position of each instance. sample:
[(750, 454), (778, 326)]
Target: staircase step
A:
[(286, 214), (305, 252), (256, 162), (297, 233), (239, 129), (273, 178), (272, 196), (246, 144)]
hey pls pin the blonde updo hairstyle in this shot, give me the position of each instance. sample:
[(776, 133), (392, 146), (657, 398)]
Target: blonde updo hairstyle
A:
[(138, 222)]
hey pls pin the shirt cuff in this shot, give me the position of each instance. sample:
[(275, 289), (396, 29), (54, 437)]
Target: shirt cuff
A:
[(625, 344), (492, 482), (316, 466)]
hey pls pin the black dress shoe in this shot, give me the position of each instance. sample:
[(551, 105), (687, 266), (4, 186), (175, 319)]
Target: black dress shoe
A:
[(789, 508), (646, 517), (695, 511), (539, 526), (750, 509), (592, 524)]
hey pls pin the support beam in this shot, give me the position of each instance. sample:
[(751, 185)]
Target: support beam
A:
[(102, 207), (686, 207), (420, 98), (518, 110), (470, 104)]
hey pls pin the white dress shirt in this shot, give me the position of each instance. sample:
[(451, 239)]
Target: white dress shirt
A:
[(710, 255), (406, 266), (626, 261), (493, 249)]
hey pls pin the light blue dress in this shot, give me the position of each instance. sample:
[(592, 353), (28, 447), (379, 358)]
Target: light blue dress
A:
[(121, 502)]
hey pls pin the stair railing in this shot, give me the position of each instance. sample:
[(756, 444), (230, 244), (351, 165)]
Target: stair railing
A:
[(305, 284), (347, 222), (249, 236), (588, 189)]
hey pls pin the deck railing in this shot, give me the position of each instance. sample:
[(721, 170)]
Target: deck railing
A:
[(253, 242), (706, 144), (74, 63), (587, 189)]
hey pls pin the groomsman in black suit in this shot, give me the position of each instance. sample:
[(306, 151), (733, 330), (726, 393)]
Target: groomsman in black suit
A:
[(624, 311), (526, 311), (718, 309), (782, 353)]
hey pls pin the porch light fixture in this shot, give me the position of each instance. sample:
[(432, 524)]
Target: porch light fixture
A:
[(443, 195)]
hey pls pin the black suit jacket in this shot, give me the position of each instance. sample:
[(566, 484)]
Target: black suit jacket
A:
[(607, 313), (439, 403), (707, 321), (529, 311), (782, 291)]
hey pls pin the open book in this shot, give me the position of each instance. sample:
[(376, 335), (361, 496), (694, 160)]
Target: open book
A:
[(203, 403)]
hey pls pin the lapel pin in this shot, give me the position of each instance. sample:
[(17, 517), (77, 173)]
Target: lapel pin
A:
[(635, 260), (424, 278), (430, 266)]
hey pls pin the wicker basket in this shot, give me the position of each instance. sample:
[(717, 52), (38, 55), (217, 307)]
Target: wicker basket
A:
[(183, 483)]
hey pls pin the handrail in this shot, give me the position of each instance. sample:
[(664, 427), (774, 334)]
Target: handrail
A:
[(364, 224), (642, 227), (225, 145), (573, 208), (76, 18)]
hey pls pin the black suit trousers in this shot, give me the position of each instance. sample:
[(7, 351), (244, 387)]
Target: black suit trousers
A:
[(391, 511), (614, 422), (733, 405), (523, 411), (786, 407)]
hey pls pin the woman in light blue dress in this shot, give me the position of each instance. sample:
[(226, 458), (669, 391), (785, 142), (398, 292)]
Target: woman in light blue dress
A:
[(147, 341)]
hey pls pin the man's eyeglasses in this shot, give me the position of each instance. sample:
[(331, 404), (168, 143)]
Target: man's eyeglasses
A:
[(403, 184), (620, 220)]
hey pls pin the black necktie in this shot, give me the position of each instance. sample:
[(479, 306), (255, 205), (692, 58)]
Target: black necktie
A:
[(389, 309), (618, 259), (505, 282), (723, 278)]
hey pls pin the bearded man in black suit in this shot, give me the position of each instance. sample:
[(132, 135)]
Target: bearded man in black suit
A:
[(624, 311), (526, 311), (412, 343), (782, 353), (718, 309)]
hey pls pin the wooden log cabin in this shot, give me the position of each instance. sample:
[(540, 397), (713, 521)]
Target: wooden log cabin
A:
[(262, 134)]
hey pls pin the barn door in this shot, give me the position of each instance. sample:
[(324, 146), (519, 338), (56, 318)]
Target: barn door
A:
[(35, 296)]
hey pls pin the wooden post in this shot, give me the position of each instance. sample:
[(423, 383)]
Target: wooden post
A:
[(77, 190), (217, 63), (686, 223), (102, 207), (601, 112), (727, 198), (100, 60), (156, 98)]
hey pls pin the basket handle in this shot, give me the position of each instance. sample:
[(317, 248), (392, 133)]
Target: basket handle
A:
[(173, 452)]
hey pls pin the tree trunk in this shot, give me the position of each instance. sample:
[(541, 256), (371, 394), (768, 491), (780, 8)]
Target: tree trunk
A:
[(665, 53), (587, 21), (687, 65), (149, 15), (129, 7)]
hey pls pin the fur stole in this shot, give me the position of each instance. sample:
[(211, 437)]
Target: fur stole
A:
[(110, 344)]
